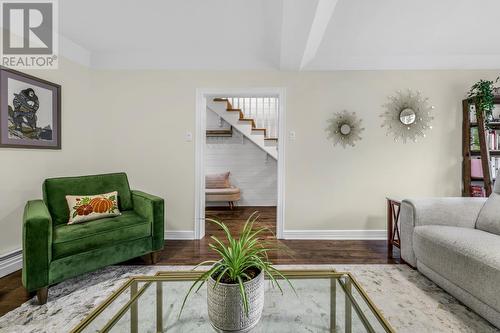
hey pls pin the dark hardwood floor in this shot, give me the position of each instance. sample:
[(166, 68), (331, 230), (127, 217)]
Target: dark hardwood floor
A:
[(192, 252)]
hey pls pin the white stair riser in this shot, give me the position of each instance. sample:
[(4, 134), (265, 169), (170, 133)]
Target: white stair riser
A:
[(270, 143), (260, 133)]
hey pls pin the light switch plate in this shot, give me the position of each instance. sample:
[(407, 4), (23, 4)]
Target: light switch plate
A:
[(291, 135), (189, 136)]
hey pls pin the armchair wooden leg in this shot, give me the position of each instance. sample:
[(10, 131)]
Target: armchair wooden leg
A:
[(151, 258), (41, 295), (154, 257)]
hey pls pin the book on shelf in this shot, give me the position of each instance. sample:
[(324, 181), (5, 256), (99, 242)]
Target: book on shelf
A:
[(476, 167), (493, 140), (477, 191), (496, 112), (495, 166)]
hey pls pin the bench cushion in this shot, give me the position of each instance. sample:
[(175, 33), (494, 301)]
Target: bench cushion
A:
[(218, 180), (77, 238), (222, 194), (222, 191)]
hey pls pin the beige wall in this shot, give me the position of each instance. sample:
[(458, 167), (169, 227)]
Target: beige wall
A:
[(23, 170), (136, 121), (326, 188)]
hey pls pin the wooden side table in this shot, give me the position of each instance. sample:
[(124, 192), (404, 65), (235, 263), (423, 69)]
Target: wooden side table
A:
[(393, 228)]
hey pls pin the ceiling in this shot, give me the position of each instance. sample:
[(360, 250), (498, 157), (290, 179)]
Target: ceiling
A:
[(285, 34)]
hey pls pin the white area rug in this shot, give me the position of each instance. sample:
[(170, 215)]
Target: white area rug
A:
[(409, 301)]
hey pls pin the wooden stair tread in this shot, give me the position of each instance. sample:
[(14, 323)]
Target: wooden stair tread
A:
[(220, 132), (233, 110), (274, 139), (218, 99)]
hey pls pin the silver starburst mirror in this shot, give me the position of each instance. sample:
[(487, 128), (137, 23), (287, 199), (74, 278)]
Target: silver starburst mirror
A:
[(344, 128), (407, 116)]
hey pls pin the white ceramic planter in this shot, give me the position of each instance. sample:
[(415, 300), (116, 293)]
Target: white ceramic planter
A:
[(225, 305)]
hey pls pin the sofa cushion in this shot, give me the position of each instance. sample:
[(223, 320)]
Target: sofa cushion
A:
[(489, 216), (469, 258), (55, 191), (77, 238)]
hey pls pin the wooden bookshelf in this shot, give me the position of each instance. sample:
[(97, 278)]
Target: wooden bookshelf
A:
[(484, 152), (493, 124), (478, 152)]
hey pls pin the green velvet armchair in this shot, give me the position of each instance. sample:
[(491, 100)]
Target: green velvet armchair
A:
[(54, 251)]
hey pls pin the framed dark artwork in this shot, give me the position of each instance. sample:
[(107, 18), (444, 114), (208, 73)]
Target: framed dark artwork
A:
[(30, 111)]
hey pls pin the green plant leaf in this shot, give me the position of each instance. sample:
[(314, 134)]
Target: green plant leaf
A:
[(238, 256)]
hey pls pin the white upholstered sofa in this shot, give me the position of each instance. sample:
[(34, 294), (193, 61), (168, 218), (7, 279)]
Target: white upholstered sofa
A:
[(455, 242)]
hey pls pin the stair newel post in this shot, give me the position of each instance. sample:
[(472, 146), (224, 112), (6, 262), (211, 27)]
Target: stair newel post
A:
[(485, 153)]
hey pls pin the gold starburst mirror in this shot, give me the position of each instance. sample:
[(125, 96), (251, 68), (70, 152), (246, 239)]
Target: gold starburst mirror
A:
[(344, 128), (407, 116)]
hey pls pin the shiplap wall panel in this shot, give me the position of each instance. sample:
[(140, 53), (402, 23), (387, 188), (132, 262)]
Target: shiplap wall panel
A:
[(252, 170)]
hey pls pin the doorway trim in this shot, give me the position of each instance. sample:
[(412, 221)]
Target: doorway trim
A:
[(200, 144)]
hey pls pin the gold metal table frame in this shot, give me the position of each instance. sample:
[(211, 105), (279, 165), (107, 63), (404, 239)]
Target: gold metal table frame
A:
[(345, 279)]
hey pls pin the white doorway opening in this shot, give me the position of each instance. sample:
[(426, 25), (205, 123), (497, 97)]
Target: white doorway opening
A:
[(202, 97)]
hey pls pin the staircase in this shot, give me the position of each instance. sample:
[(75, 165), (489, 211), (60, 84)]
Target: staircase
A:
[(246, 126)]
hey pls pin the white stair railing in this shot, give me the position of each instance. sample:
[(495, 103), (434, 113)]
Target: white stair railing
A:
[(264, 110)]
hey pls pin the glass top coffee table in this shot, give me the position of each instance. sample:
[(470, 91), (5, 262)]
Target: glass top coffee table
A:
[(326, 301)]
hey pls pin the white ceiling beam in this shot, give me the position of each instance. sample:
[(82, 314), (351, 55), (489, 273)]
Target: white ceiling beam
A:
[(322, 17), (297, 17)]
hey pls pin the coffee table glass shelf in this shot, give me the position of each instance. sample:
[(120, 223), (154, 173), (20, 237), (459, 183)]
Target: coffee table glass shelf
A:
[(326, 301)]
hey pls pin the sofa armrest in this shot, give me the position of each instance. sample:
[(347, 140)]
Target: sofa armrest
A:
[(152, 208), (457, 212), (37, 245)]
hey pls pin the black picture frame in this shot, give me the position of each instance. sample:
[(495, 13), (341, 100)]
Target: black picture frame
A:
[(20, 130)]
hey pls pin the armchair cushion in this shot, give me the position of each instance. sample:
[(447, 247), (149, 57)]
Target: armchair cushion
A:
[(83, 237), (489, 216), (55, 191)]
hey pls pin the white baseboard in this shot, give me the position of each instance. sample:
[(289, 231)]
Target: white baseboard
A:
[(11, 262), (335, 234), (179, 234), (301, 234)]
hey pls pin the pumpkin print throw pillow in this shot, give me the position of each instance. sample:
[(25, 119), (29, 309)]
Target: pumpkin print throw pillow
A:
[(92, 207)]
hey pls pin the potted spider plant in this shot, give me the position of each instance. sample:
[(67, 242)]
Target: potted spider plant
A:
[(482, 94), (235, 294)]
